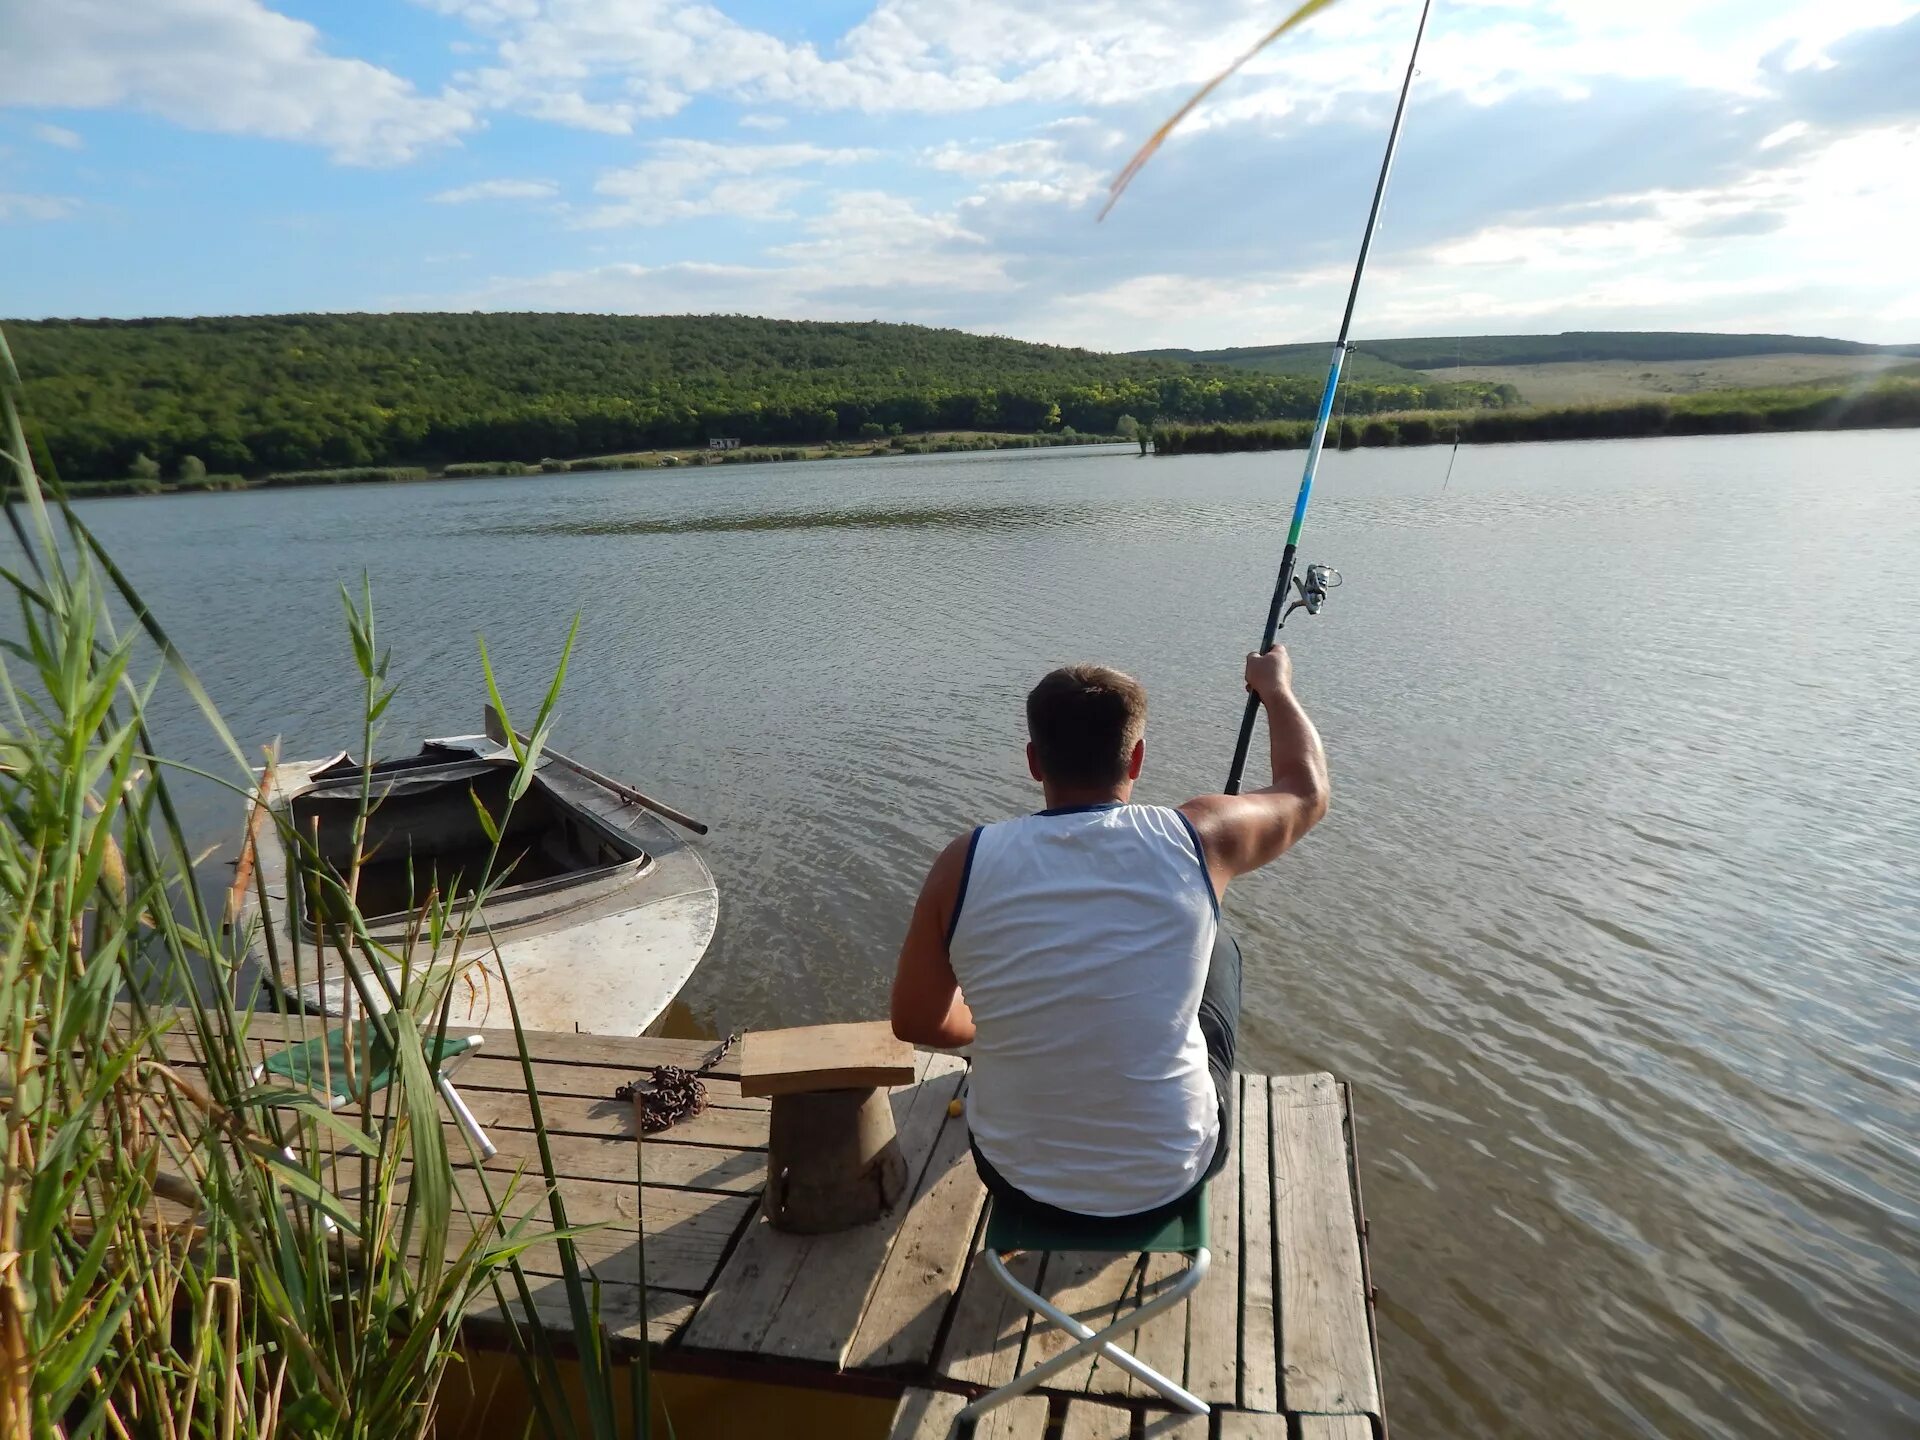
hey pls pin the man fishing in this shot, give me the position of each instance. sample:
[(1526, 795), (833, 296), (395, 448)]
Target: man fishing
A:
[(1079, 951)]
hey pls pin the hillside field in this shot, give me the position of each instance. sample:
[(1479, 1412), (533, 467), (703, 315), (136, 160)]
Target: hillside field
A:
[(1581, 366), (1594, 381)]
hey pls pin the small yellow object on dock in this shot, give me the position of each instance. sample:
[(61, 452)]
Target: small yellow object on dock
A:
[(956, 1107)]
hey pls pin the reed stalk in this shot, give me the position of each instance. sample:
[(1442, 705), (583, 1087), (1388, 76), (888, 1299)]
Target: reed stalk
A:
[(186, 1250)]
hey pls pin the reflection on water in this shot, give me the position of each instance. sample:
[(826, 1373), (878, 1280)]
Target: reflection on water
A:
[(1612, 925), (949, 517)]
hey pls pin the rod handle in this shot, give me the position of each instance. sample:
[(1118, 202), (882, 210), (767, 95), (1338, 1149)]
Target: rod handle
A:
[(1247, 719)]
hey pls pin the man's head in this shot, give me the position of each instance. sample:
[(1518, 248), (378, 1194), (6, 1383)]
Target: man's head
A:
[(1086, 722)]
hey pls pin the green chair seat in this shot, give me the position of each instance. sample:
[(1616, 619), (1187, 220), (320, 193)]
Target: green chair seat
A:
[(1176, 1229), (303, 1064)]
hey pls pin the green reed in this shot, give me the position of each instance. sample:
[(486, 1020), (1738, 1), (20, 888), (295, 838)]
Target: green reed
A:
[(187, 1250)]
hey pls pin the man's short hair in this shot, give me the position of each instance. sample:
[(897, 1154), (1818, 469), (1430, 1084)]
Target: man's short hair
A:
[(1085, 721)]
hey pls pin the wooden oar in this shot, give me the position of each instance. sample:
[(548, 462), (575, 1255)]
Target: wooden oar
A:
[(497, 732), (249, 844)]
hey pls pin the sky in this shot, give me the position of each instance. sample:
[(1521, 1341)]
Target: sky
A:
[(1748, 165)]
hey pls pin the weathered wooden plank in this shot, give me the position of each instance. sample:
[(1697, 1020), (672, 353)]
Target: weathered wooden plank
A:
[(824, 1057), (684, 1264), (926, 1415), (934, 1415), (1240, 1425), (1259, 1348), (640, 1051), (731, 1119), (610, 1202), (488, 1069), (923, 1271), (1213, 1371), (1316, 1089), (1335, 1427), (687, 1233), (1162, 1341), (620, 1312), (989, 1329), (1022, 1418), (1090, 1420), (584, 1157), (636, 1053), (1178, 1425), (569, 1115), (1091, 1287), (1327, 1350), (748, 1293), (587, 1082), (820, 1314)]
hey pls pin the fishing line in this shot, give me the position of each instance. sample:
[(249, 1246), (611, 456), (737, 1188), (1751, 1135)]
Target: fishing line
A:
[(1459, 353), (1313, 587)]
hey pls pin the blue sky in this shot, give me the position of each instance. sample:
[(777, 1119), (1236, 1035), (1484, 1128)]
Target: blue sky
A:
[(1569, 164)]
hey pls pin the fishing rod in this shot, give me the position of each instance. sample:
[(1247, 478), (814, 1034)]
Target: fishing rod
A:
[(1319, 579)]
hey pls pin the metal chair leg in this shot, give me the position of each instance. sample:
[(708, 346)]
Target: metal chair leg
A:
[(1100, 1341)]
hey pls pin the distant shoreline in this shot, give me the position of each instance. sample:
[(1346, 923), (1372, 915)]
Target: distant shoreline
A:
[(686, 458), (1892, 403)]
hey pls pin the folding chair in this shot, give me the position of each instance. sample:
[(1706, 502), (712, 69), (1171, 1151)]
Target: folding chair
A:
[(1016, 1226), (315, 1062)]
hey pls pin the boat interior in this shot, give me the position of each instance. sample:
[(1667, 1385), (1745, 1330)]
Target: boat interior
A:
[(424, 832)]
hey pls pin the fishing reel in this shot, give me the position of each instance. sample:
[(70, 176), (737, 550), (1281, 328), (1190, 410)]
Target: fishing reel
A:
[(1313, 588)]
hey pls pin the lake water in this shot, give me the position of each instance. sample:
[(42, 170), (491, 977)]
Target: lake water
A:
[(1612, 926)]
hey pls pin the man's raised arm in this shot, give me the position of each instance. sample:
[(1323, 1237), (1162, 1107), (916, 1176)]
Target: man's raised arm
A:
[(1243, 832)]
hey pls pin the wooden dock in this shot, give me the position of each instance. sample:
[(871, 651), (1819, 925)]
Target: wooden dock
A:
[(1279, 1337)]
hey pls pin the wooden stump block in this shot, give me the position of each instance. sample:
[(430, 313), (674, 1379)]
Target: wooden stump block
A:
[(833, 1159)]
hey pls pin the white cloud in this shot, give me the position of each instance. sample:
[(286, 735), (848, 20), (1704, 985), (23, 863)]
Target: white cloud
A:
[(1819, 246), (16, 207), (1031, 159), (59, 136), (1033, 172), (759, 121), (685, 179), (870, 254), (231, 66), (497, 190), (612, 64)]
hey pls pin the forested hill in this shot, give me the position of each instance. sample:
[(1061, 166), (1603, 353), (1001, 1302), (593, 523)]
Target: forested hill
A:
[(258, 394)]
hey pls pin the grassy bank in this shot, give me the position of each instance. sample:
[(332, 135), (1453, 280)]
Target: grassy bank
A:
[(934, 444), (1887, 403)]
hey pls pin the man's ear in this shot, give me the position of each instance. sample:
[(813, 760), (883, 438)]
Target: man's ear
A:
[(1137, 759), (1033, 763)]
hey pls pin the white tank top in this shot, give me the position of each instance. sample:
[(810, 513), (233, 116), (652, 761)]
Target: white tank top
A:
[(1081, 941)]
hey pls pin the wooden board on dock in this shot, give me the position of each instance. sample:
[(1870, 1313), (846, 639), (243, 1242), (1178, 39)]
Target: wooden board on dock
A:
[(824, 1057), (1326, 1345)]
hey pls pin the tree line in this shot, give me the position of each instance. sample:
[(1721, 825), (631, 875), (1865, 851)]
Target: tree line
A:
[(257, 395)]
